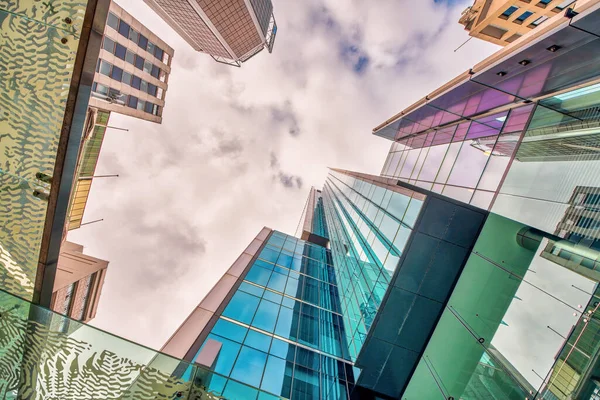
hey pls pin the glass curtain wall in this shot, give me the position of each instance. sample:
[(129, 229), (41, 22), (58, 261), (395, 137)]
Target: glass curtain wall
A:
[(282, 331), (368, 226)]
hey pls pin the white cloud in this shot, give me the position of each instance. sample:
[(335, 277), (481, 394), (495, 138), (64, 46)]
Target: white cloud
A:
[(195, 190)]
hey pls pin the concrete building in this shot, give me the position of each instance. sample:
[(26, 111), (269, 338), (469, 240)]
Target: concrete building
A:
[(78, 283), (504, 21), (133, 69), (231, 31)]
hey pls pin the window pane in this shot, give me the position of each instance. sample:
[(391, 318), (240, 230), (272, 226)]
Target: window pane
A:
[(141, 105), (236, 390), (249, 366), (285, 326), (136, 82), (151, 89), (150, 48), (266, 316), (108, 44), (130, 57), (112, 21), (133, 36), (278, 377), (258, 275), (229, 330), (139, 62), (117, 73), (147, 66), (144, 86), (227, 354), (124, 29), (155, 71), (126, 78), (104, 68), (277, 282), (258, 341), (158, 53), (306, 384), (132, 102), (120, 51), (143, 41), (242, 307)]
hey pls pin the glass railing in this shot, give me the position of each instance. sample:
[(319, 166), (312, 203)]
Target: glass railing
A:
[(45, 355)]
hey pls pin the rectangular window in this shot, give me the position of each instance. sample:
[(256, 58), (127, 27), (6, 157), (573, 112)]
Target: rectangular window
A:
[(162, 76), (539, 20), (523, 17), (120, 51), (130, 57), (134, 36), (150, 48), (148, 107), (141, 104), (104, 68), (139, 62), (166, 58), (147, 67), (112, 21), (126, 78), (159, 93), (108, 44), (155, 109), (144, 86), (155, 71), (101, 89), (564, 4), (158, 53), (136, 82), (143, 41), (509, 11), (132, 102), (117, 73), (124, 29), (151, 89)]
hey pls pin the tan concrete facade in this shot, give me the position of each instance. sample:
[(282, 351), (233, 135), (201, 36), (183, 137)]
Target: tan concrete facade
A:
[(78, 283), (125, 86), (503, 21), (231, 31)]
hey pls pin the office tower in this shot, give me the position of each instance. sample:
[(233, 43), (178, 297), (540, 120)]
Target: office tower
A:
[(133, 69), (230, 31), (503, 21), (91, 144), (78, 283)]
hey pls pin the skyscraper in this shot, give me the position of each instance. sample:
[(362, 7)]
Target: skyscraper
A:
[(231, 31), (78, 283), (133, 68), (504, 21)]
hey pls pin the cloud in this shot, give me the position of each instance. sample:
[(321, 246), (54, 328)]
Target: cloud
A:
[(239, 147)]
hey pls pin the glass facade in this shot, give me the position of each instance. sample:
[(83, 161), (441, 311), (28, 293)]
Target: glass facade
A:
[(281, 331)]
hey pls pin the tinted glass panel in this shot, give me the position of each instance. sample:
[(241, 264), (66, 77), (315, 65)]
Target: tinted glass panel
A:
[(143, 41), (112, 21), (139, 62), (124, 29), (120, 51)]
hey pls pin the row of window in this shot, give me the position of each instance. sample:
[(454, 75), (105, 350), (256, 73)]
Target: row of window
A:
[(542, 3), (125, 30), (302, 264), (297, 248), (114, 96), (118, 74), (140, 63)]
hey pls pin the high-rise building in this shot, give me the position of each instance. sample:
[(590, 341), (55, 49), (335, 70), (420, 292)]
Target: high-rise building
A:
[(230, 31), (78, 283), (503, 21), (133, 68)]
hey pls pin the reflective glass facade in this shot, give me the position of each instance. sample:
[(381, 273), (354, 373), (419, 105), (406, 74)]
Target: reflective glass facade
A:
[(281, 331)]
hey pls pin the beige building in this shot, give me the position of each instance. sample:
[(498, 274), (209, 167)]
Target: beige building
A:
[(231, 31), (504, 21), (78, 283), (133, 69)]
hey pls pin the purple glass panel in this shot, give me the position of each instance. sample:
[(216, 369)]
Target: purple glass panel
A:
[(517, 119), (444, 135), (461, 132), (488, 126)]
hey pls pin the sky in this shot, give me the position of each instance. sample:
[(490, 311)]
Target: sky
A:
[(239, 148)]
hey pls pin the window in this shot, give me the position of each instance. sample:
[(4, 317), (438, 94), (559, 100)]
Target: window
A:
[(101, 89), (139, 62), (117, 73), (136, 82), (564, 4), (141, 104), (124, 29), (249, 366), (147, 66), (509, 11), (130, 57), (126, 78), (112, 21), (151, 89), (158, 53), (134, 36), (143, 41), (159, 93), (162, 75), (155, 109), (150, 48), (144, 86), (165, 58), (132, 102), (108, 44), (539, 20), (120, 51), (155, 71), (104, 68), (523, 17), (544, 2), (115, 94)]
